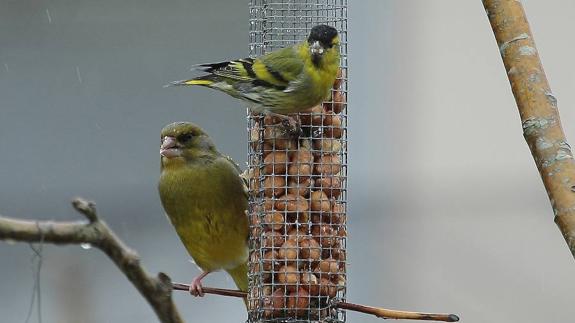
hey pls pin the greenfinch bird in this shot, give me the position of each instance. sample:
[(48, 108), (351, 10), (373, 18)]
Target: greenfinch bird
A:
[(205, 199), (288, 80)]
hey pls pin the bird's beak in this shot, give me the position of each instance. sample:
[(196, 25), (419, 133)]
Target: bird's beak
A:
[(316, 48), (169, 148)]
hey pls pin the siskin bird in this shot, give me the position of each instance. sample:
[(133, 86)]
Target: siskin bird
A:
[(284, 81), (205, 199)]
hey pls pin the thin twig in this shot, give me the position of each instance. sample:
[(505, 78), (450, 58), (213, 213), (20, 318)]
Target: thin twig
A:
[(36, 291), (538, 110), (379, 312), (156, 290)]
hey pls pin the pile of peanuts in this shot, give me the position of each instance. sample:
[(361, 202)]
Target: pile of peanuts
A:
[(297, 216)]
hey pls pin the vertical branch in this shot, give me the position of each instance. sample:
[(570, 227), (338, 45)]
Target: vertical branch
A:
[(538, 110)]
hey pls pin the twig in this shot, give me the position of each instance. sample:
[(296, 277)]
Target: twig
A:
[(379, 312), (538, 110), (36, 291), (156, 290)]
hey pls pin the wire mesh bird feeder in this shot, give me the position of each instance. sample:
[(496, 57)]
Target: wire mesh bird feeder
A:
[(298, 183)]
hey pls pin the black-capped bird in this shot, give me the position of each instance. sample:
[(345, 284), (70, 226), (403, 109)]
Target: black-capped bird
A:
[(284, 81), (205, 198)]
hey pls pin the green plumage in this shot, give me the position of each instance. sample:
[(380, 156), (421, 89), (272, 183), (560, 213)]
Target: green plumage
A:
[(285, 81), (205, 200)]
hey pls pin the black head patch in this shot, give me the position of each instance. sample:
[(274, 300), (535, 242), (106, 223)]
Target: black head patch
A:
[(322, 33)]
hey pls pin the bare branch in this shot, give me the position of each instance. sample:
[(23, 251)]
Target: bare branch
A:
[(377, 311), (87, 208), (156, 290), (538, 110)]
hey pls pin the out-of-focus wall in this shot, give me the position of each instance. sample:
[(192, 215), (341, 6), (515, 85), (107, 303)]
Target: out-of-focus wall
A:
[(449, 200), (447, 212)]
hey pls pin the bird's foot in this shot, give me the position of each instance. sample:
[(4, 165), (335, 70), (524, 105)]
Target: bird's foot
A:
[(290, 125), (196, 285)]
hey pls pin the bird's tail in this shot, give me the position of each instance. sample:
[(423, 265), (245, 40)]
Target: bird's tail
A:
[(240, 277), (205, 80)]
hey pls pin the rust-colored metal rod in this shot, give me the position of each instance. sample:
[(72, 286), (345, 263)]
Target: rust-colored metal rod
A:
[(379, 312), (394, 314), (215, 291), (538, 110)]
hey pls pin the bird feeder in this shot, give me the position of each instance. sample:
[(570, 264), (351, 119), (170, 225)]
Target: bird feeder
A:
[(297, 182)]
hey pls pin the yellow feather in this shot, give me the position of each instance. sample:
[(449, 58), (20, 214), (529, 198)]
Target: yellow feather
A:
[(240, 68), (198, 82), (263, 74)]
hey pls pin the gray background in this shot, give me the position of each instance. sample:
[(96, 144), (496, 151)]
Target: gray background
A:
[(447, 212)]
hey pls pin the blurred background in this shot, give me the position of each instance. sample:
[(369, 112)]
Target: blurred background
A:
[(447, 212)]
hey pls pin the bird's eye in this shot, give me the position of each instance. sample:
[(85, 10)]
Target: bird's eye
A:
[(185, 137)]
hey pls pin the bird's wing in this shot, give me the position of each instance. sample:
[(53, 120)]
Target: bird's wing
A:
[(236, 69), (275, 70), (236, 166), (280, 67), (242, 175)]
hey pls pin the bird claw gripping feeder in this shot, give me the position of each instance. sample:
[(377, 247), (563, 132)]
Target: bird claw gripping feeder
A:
[(297, 181)]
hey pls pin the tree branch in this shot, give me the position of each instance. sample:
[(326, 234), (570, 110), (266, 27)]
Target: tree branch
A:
[(538, 110), (156, 290)]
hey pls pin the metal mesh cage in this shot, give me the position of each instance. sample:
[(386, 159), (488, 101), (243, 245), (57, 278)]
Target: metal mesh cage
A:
[(298, 183)]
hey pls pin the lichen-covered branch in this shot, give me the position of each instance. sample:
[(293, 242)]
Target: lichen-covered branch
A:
[(538, 110), (156, 290)]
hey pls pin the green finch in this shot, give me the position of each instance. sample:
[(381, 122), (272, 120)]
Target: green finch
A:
[(205, 199), (285, 81)]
